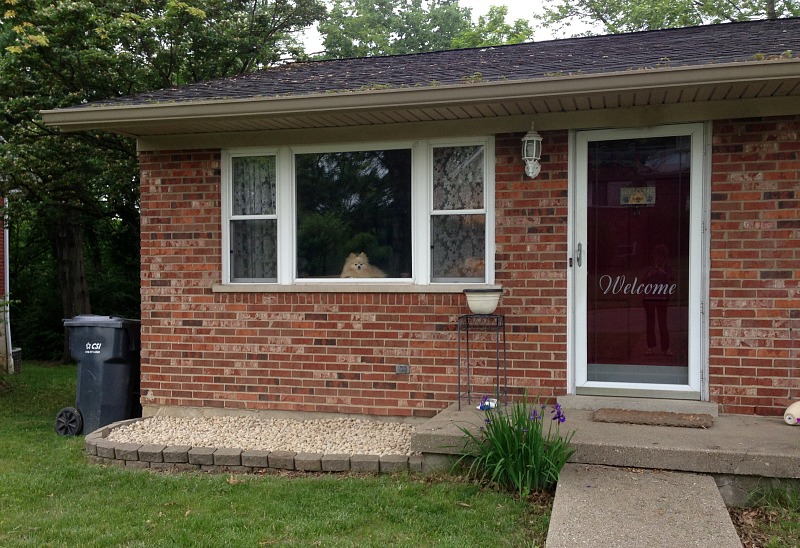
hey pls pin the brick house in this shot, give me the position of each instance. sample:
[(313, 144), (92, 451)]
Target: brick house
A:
[(655, 255)]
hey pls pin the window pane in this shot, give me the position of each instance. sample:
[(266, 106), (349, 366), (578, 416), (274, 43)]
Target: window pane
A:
[(254, 250), (458, 247), (458, 178), (254, 179), (354, 202)]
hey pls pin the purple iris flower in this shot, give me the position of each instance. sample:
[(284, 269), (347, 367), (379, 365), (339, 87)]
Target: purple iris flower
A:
[(558, 413)]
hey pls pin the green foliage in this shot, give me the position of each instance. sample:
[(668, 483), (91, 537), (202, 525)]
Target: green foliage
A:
[(51, 496), (492, 30), (320, 238), (75, 211), (98, 50), (360, 28), (112, 271), (521, 449), (368, 243), (616, 16)]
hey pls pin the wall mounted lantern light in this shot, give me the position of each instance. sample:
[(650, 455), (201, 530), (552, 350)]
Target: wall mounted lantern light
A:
[(532, 152)]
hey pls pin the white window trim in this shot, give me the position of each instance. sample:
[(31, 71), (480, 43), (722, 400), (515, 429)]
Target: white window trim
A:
[(421, 212), (227, 203)]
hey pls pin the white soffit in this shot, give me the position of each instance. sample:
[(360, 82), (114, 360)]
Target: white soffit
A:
[(470, 101)]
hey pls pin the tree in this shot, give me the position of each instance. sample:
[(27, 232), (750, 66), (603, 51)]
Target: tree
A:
[(493, 30), (78, 189), (360, 28), (615, 16)]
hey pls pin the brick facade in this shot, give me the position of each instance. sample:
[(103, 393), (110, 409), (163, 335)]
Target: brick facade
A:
[(337, 352), (754, 364)]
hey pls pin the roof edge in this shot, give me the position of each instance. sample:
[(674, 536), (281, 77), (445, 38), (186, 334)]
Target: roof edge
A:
[(109, 117)]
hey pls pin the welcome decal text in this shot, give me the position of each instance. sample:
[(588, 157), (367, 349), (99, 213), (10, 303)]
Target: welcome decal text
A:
[(620, 285)]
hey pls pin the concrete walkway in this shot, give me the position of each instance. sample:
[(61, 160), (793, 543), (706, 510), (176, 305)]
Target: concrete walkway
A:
[(631, 507)]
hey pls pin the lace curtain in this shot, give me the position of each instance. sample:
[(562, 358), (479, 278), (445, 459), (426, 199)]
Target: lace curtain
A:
[(254, 242), (458, 224)]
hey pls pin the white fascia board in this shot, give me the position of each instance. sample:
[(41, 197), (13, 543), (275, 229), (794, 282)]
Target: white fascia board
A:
[(108, 117)]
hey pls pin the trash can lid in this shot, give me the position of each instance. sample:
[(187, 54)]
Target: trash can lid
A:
[(92, 320)]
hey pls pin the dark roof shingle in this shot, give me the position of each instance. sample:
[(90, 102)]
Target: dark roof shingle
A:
[(693, 46)]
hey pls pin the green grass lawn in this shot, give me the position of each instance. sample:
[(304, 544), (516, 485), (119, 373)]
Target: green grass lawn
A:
[(50, 495), (771, 520)]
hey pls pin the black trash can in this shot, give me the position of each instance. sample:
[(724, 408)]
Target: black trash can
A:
[(107, 351)]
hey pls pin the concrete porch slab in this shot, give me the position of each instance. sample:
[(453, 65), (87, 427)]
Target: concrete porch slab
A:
[(737, 450)]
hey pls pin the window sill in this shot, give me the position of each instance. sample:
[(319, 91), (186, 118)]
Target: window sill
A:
[(363, 287)]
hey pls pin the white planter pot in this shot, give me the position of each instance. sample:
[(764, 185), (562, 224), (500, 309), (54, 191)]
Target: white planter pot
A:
[(483, 301), (792, 414)]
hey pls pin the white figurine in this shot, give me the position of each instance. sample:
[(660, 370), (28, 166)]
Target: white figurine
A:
[(792, 414)]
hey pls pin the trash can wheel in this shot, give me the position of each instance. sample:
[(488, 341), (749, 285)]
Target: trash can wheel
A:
[(69, 422)]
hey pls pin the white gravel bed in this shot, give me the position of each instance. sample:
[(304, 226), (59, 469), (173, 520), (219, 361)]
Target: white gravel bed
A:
[(327, 436)]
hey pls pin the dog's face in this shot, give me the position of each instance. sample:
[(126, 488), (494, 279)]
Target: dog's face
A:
[(360, 261), (358, 266), (357, 262)]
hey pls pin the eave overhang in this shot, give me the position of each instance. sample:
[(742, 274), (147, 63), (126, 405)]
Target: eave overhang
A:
[(653, 87)]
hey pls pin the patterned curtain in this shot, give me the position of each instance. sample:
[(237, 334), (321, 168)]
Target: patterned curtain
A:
[(458, 223), (254, 242)]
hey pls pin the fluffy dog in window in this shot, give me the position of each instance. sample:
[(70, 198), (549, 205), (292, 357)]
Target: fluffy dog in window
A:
[(357, 266)]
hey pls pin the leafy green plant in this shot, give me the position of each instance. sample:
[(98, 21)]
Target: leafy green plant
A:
[(521, 448)]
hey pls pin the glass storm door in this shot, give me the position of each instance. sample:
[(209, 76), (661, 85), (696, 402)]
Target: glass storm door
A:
[(636, 259)]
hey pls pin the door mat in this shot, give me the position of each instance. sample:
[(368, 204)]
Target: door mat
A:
[(654, 418)]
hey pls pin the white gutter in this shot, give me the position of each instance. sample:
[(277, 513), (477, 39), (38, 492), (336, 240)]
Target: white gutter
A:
[(143, 115)]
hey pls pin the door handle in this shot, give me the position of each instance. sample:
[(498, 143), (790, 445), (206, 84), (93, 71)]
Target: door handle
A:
[(579, 255)]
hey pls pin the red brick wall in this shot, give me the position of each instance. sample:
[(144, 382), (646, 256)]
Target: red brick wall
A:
[(531, 237), (331, 352), (755, 265)]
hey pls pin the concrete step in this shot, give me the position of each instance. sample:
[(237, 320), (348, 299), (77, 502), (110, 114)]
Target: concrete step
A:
[(628, 507)]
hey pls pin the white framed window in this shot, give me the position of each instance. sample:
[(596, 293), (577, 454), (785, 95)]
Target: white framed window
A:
[(458, 213), (353, 213), (253, 217), (381, 213)]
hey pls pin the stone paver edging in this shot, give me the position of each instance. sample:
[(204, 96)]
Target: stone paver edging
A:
[(183, 458)]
